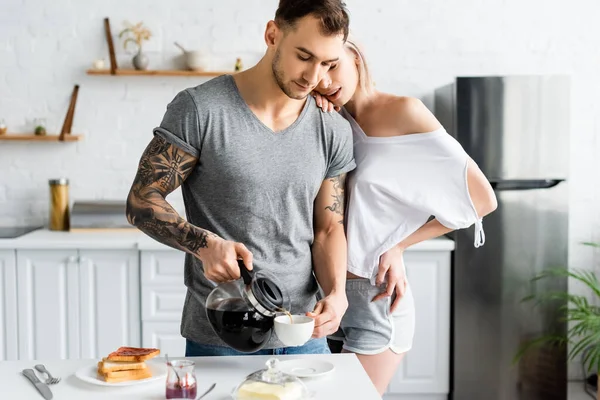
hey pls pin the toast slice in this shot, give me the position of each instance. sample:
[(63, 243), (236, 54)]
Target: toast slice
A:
[(105, 365), (133, 354), (123, 376)]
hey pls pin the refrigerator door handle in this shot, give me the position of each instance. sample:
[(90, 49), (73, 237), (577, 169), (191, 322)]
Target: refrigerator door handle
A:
[(525, 184)]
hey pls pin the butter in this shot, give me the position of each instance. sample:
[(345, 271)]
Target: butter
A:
[(265, 391)]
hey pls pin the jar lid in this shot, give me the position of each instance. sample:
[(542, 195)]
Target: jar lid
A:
[(272, 383), (59, 181)]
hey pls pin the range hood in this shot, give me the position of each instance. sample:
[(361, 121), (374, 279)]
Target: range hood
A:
[(99, 215)]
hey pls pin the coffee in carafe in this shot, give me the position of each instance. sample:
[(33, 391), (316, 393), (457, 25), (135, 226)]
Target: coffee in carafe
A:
[(242, 312), (240, 327)]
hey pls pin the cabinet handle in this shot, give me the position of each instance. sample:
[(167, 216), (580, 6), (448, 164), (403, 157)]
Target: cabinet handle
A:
[(83, 260), (72, 259)]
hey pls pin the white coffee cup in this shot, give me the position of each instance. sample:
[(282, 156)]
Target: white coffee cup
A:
[(296, 333)]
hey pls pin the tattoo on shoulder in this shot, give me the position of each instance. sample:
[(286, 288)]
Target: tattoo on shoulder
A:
[(158, 145), (162, 168), (337, 205), (164, 164)]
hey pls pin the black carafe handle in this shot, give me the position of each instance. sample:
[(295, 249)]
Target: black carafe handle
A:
[(247, 275)]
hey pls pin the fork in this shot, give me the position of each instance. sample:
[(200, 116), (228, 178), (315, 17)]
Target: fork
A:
[(51, 380)]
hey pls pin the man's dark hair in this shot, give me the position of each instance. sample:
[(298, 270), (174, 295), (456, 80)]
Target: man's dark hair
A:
[(332, 14)]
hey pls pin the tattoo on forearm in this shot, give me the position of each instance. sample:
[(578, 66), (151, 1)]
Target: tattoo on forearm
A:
[(338, 196), (163, 167)]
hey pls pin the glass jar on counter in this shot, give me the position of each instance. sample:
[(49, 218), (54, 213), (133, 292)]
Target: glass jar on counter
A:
[(59, 205), (181, 380)]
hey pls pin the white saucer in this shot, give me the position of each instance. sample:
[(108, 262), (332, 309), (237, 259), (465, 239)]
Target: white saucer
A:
[(306, 368), (89, 374)]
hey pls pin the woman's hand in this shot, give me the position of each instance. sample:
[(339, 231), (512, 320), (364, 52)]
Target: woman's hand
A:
[(323, 103), (391, 266)]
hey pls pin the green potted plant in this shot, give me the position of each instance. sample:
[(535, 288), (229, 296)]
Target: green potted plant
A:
[(39, 126), (583, 334), (136, 34)]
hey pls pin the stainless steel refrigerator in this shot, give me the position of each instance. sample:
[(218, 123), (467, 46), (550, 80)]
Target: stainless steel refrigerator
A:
[(516, 128)]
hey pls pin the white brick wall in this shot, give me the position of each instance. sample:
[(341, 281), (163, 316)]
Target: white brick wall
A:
[(413, 47)]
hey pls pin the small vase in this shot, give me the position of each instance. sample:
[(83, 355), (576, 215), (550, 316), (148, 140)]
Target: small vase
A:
[(140, 61)]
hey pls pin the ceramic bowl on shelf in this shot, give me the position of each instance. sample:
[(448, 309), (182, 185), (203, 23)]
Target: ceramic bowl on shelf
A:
[(195, 60)]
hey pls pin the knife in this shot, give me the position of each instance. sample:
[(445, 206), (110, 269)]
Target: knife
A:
[(40, 386)]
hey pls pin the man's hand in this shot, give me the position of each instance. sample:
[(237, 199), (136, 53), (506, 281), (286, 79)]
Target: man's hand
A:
[(219, 260), (391, 264), (328, 313)]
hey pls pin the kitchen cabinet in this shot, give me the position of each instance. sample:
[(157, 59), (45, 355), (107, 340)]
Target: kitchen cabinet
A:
[(424, 371), (67, 295), (163, 295), (164, 336), (77, 303), (47, 295), (8, 306), (109, 295)]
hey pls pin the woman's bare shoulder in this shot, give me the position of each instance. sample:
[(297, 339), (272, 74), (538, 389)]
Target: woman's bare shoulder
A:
[(408, 114)]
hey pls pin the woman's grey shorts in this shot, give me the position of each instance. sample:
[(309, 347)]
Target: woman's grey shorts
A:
[(369, 327)]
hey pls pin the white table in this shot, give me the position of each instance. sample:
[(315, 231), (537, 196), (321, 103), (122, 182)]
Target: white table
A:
[(347, 381)]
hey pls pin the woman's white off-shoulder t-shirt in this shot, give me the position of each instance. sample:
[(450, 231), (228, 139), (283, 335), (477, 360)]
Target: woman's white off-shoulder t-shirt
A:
[(399, 182)]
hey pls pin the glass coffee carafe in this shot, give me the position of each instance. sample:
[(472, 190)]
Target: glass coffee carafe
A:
[(242, 312)]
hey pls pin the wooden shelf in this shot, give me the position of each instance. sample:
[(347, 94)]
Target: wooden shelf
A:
[(174, 72), (36, 138)]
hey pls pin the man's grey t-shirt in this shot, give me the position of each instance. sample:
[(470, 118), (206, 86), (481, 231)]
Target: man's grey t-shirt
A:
[(254, 186)]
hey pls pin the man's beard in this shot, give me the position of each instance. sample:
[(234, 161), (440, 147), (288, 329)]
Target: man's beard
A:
[(278, 74)]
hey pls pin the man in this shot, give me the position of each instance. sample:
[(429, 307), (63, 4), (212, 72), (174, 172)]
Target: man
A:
[(262, 171)]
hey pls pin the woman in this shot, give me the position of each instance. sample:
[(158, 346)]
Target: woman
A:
[(408, 170)]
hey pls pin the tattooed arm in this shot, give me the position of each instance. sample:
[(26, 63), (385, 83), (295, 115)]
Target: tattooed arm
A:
[(163, 167), (329, 255)]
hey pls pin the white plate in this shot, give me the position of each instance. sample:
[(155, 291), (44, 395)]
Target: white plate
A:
[(89, 374), (306, 368)]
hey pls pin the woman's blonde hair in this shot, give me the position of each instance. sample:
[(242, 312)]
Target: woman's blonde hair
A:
[(365, 83)]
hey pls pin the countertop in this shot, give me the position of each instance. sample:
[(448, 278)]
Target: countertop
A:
[(44, 239), (347, 381)]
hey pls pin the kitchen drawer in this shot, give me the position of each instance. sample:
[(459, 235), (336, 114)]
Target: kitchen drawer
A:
[(163, 303), (164, 336), (164, 267)]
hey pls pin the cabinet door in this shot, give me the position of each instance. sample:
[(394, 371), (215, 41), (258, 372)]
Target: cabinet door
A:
[(163, 290), (163, 294), (109, 306), (48, 296), (8, 306), (162, 268), (426, 367), (164, 336)]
